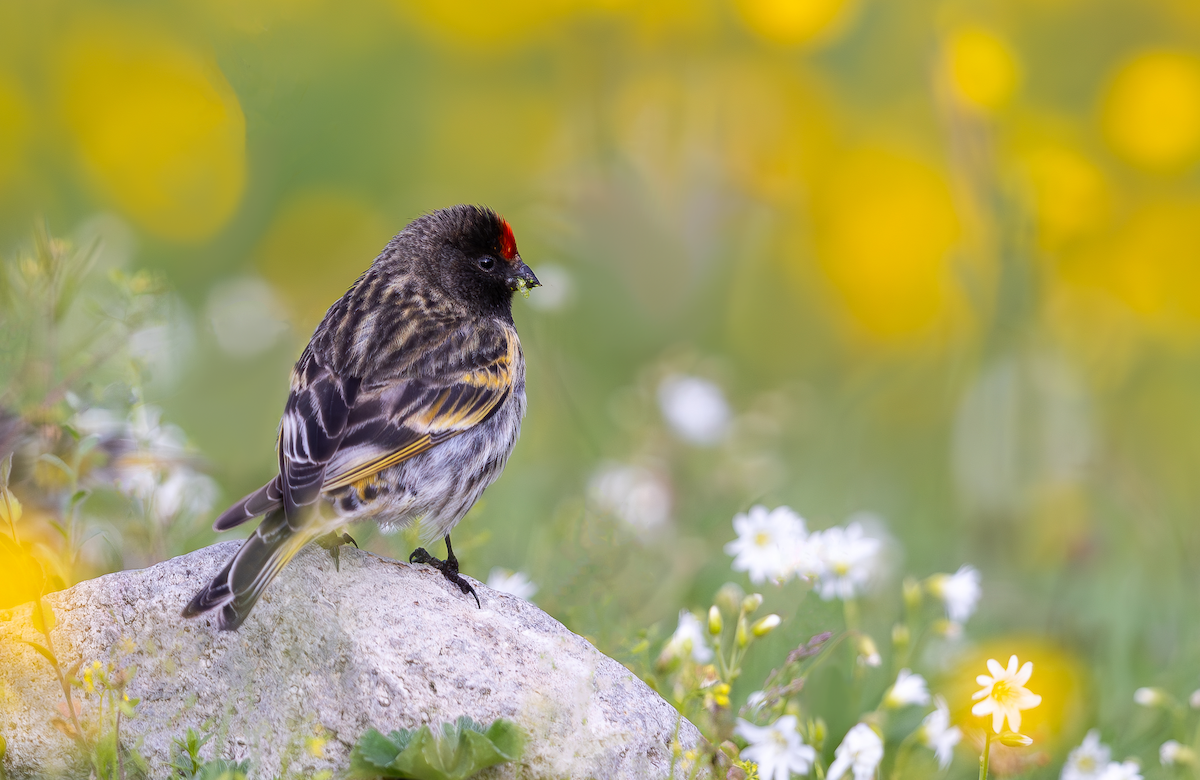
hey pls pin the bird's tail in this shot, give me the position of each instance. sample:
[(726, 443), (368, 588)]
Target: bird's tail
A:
[(239, 585)]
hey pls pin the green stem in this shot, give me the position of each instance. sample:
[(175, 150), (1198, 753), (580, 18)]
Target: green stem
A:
[(903, 750), (850, 612), (985, 756)]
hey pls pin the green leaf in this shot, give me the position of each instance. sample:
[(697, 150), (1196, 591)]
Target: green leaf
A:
[(374, 751), (49, 656), (455, 751), (508, 738), (58, 463), (220, 769)]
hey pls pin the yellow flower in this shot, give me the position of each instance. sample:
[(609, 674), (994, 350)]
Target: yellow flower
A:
[(1151, 109), (791, 23), (1004, 694), (158, 128), (983, 69)]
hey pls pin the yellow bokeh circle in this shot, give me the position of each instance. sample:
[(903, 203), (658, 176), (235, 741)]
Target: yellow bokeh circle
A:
[(316, 246), (1149, 264), (1071, 195), (982, 68), (1151, 110), (488, 22), (1058, 677), (14, 128), (158, 129), (793, 23), (885, 224)]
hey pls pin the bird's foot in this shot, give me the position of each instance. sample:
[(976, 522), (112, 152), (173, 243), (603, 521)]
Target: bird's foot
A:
[(448, 568), (333, 542)]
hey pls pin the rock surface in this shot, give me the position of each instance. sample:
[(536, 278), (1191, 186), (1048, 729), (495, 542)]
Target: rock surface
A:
[(325, 655)]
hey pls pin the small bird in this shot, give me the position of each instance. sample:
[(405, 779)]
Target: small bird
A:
[(405, 404)]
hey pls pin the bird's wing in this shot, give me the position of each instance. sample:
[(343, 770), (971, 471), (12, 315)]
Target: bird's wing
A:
[(398, 418), (315, 421), (338, 430)]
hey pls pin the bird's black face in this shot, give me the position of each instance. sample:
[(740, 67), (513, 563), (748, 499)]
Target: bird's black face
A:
[(470, 253), (512, 274)]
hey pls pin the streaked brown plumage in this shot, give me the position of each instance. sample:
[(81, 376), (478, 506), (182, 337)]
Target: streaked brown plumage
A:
[(405, 404)]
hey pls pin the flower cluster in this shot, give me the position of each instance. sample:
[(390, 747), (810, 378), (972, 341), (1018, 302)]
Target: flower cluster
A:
[(1173, 753), (1092, 761), (151, 461), (775, 545)]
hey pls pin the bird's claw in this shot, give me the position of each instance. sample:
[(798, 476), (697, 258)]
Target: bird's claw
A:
[(448, 568), (333, 542)]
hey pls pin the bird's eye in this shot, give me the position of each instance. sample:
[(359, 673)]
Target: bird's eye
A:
[(486, 263)]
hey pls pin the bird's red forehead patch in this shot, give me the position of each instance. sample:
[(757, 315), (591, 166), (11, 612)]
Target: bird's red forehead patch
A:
[(508, 242)]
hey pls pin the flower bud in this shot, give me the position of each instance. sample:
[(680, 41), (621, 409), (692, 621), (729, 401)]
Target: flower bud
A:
[(947, 628), (751, 603), (817, 731), (743, 636), (715, 624), (766, 625), (1013, 739), (1194, 700), (729, 598), (912, 593), (868, 653), (1172, 753), (1150, 697), (901, 636)]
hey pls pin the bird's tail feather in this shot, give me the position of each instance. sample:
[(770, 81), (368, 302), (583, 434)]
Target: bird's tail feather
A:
[(239, 585), (266, 499)]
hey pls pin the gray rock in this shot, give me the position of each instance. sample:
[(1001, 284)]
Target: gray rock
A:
[(325, 655)]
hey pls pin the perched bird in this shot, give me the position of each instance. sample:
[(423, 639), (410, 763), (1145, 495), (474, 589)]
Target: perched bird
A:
[(405, 404)]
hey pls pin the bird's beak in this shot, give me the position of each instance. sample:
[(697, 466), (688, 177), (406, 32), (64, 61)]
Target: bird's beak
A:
[(523, 279)]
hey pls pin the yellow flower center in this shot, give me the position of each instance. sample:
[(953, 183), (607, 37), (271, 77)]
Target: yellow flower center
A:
[(762, 538), (1004, 692)]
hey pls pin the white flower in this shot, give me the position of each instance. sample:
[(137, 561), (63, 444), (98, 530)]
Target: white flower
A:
[(1004, 694), (939, 735), (777, 749), (909, 689), (1172, 753), (183, 491), (689, 637), (1149, 697), (766, 542), (959, 591), (1127, 770), (860, 752), (848, 559), (1087, 761), (755, 700), (513, 583), (1194, 700), (634, 494), (695, 409), (98, 421)]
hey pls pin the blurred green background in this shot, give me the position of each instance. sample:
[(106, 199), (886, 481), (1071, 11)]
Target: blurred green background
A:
[(942, 260)]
